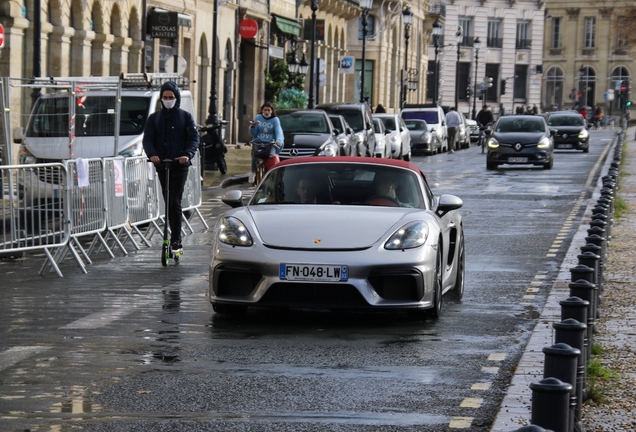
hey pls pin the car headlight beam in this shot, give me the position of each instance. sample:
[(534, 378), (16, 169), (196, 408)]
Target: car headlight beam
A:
[(544, 143), (493, 143), (583, 134), (231, 231), (409, 236)]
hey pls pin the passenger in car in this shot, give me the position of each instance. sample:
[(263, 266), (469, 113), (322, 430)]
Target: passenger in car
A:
[(307, 191)]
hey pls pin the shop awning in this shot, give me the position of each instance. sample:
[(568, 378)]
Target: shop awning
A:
[(288, 26)]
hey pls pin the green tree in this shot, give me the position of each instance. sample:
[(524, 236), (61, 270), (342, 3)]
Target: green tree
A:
[(292, 98), (275, 79)]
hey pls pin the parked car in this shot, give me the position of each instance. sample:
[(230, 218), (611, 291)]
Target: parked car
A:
[(345, 136), (403, 255), (463, 133), (520, 139), (473, 130), (307, 133), (422, 141), (358, 115), (401, 145), (570, 131), (383, 138), (434, 117)]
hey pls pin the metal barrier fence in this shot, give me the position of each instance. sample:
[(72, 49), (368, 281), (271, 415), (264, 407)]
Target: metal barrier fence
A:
[(52, 207)]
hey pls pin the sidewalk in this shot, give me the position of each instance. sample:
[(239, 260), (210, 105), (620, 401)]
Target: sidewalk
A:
[(616, 326)]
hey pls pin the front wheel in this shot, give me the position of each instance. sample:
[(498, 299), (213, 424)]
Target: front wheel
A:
[(458, 290), (165, 254), (436, 311)]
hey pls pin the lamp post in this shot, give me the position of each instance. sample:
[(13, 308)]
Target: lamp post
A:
[(312, 66), (365, 5), (437, 32), (476, 45), (213, 111), (582, 85), (460, 37), (407, 16)]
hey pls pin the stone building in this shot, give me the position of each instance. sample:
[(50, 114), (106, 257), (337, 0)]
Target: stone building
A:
[(586, 58)]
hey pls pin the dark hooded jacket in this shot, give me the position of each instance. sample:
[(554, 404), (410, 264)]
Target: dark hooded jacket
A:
[(171, 133)]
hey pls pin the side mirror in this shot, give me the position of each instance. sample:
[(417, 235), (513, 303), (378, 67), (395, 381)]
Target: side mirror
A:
[(233, 198), (447, 203), (336, 131)]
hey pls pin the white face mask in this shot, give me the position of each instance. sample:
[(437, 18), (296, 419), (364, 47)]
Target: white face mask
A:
[(169, 104), (266, 116)]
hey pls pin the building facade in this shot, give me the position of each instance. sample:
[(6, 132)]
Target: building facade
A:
[(587, 60)]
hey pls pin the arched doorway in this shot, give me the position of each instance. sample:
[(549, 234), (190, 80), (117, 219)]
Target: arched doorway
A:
[(554, 88)]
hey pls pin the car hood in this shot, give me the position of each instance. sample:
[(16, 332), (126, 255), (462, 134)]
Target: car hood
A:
[(567, 129), (519, 137), (324, 227), (306, 139)]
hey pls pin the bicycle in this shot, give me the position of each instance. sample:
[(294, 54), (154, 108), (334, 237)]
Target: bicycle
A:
[(482, 137), (262, 152)]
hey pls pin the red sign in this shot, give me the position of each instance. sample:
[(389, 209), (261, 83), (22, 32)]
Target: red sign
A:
[(579, 94), (1, 36), (623, 88), (248, 28)]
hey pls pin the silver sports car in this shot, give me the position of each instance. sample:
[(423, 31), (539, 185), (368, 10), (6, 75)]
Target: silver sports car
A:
[(343, 232)]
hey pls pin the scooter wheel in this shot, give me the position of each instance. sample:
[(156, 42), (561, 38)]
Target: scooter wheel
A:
[(165, 255)]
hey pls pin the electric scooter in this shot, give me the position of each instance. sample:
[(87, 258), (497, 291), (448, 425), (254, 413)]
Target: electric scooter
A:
[(166, 252)]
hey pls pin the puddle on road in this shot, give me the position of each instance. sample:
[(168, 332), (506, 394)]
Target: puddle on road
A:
[(530, 312)]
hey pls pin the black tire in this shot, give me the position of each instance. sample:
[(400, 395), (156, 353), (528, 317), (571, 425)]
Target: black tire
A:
[(225, 309), (165, 255), (407, 157), (587, 149), (436, 311), (549, 165), (491, 165), (457, 292)]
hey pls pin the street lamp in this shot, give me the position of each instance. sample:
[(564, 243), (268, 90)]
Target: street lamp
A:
[(437, 32), (314, 8), (365, 5), (460, 37), (303, 66), (477, 45), (407, 16)]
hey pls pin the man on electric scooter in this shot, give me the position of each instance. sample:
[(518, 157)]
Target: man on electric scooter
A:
[(172, 134)]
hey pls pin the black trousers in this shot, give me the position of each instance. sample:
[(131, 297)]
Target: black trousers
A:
[(178, 180)]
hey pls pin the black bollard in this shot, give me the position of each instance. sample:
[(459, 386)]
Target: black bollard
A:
[(550, 401), (586, 290), (575, 308), (532, 428), (593, 261), (599, 241), (582, 272), (572, 332), (561, 363)]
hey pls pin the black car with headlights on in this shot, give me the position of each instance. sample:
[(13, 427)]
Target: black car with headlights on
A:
[(520, 139), (307, 133), (570, 131)]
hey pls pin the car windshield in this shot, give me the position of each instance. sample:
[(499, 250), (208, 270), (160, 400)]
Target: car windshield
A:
[(94, 116), (389, 123), (516, 124), (428, 116), (340, 184), (303, 122), (376, 126), (562, 120), (415, 125)]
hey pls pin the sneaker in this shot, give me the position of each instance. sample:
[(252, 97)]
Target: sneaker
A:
[(452, 151), (251, 178), (176, 248)]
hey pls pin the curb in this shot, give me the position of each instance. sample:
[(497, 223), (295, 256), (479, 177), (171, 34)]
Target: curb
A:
[(515, 409)]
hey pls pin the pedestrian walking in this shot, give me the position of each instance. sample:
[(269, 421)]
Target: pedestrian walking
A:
[(171, 133), (453, 121)]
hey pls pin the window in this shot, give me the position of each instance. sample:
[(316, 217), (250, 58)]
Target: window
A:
[(494, 40), (554, 88), (556, 33), (466, 24), (521, 83), (370, 26), (590, 32), (463, 80), (621, 32), (492, 71), (523, 42)]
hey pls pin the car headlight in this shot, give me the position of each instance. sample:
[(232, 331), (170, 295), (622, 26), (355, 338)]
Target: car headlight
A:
[(544, 143), (409, 236), (493, 143), (359, 138), (583, 134), (394, 139), (233, 232), (26, 157), (426, 137), (135, 149), (329, 150)]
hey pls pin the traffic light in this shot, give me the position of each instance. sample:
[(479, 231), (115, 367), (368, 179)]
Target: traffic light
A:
[(488, 82), (468, 92), (628, 104)]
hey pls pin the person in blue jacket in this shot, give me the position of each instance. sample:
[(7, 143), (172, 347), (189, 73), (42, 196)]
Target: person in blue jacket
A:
[(171, 133), (266, 128)]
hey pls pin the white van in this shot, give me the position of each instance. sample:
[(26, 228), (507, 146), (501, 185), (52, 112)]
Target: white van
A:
[(46, 137), (435, 119)]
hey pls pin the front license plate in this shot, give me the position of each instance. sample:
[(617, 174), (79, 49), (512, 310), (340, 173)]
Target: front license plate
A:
[(566, 146), (518, 159), (314, 272)]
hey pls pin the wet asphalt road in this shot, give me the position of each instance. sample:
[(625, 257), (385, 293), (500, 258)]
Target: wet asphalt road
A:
[(134, 346)]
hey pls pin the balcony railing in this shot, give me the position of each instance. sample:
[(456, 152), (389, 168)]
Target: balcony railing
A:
[(494, 42), (437, 9), (468, 41), (523, 43)]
